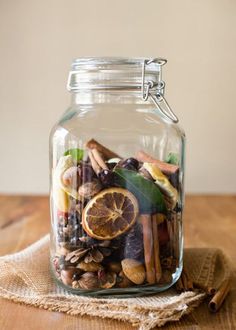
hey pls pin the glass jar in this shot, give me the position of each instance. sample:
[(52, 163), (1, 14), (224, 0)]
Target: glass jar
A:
[(117, 169)]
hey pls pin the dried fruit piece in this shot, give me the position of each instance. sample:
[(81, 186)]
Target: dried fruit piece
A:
[(60, 199), (71, 177), (133, 270), (110, 213), (163, 183)]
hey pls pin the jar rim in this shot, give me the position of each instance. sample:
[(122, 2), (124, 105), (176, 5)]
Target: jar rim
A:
[(89, 62), (112, 72)]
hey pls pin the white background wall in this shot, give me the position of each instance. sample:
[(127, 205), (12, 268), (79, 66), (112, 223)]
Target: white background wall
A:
[(39, 39)]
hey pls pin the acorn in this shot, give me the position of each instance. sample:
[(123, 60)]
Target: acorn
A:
[(133, 270)]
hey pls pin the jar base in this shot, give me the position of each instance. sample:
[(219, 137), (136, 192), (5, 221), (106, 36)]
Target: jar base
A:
[(137, 291)]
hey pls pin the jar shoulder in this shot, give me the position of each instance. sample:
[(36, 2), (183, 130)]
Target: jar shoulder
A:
[(139, 119)]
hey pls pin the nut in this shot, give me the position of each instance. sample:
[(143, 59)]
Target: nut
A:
[(66, 276), (89, 267), (89, 189), (134, 270), (124, 281), (88, 281)]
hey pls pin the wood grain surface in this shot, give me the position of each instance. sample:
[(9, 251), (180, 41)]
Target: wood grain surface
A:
[(209, 221)]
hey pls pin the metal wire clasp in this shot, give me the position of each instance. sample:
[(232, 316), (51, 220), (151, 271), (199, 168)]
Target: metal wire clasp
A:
[(158, 98)]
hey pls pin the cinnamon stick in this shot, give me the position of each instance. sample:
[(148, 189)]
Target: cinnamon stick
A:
[(189, 283), (219, 296), (96, 167), (179, 285), (208, 290), (99, 159), (166, 168), (146, 221), (156, 247), (107, 153)]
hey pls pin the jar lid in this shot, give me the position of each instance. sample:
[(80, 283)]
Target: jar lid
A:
[(112, 73)]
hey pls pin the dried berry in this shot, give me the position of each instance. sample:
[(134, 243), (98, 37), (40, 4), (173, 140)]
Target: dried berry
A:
[(106, 177), (132, 162), (129, 164)]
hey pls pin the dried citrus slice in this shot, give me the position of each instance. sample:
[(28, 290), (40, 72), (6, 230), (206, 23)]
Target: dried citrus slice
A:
[(110, 213)]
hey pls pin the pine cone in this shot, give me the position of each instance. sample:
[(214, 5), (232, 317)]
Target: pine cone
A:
[(91, 251)]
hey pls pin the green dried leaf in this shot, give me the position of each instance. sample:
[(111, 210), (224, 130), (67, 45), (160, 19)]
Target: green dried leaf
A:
[(76, 154), (172, 158), (148, 194)]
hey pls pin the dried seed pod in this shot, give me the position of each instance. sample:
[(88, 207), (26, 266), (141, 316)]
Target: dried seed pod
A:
[(89, 267), (88, 281), (89, 189), (114, 266), (66, 275), (134, 270), (106, 280), (124, 282)]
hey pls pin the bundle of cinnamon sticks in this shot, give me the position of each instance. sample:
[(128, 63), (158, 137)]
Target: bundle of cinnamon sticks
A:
[(217, 296)]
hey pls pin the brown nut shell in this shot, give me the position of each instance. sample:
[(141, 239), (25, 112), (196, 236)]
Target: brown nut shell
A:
[(133, 270), (66, 276), (89, 189), (124, 281), (88, 281)]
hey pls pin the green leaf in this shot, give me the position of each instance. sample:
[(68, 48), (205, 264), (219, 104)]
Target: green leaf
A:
[(172, 158), (76, 154), (147, 193)]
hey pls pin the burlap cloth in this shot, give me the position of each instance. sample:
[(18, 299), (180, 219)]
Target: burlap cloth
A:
[(25, 278)]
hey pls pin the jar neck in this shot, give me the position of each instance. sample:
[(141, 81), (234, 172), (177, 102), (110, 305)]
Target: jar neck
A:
[(109, 97)]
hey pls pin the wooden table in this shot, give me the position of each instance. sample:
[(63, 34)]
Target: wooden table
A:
[(210, 221)]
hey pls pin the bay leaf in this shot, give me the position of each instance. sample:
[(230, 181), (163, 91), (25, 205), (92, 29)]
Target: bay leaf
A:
[(147, 193)]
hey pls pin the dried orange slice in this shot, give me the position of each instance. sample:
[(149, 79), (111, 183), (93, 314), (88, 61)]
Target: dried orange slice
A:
[(110, 213)]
